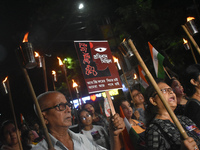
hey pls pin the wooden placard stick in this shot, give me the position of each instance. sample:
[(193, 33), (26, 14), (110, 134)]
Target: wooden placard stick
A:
[(13, 112), (191, 38), (32, 92), (112, 108), (171, 113)]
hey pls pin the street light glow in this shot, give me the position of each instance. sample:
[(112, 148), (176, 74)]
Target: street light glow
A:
[(81, 6)]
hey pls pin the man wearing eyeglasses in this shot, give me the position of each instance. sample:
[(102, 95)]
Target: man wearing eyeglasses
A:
[(57, 116)]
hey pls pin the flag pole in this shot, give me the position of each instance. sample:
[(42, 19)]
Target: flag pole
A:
[(167, 73), (171, 113), (13, 112), (191, 38)]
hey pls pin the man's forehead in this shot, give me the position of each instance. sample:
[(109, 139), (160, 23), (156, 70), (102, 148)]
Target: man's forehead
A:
[(52, 99)]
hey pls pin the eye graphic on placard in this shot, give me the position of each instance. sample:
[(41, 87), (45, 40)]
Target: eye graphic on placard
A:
[(100, 49)]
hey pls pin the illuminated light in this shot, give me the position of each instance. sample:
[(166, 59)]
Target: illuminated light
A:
[(124, 40), (53, 72), (25, 37), (190, 18), (134, 76), (60, 61), (185, 41), (111, 92), (81, 6), (4, 85), (36, 54), (93, 97), (5, 79), (74, 84), (117, 61)]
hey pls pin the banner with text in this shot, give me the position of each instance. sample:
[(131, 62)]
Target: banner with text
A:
[(99, 70)]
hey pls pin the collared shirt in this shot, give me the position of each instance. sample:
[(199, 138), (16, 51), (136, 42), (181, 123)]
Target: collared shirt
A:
[(80, 142)]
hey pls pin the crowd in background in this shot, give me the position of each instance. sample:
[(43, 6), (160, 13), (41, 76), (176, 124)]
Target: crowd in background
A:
[(145, 113)]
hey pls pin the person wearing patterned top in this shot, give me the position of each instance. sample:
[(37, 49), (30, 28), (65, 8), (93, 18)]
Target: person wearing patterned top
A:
[(161, 132)]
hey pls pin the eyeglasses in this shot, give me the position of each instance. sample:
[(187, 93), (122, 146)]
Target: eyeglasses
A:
[(164, 91), (61, 107), (84, 118), (136, 94)]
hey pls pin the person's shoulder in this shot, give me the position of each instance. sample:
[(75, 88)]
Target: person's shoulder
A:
[(40, 146)]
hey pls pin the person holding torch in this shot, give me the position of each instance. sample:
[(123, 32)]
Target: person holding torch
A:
[(161, 132)]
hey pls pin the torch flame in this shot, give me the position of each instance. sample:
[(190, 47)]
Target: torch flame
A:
[(5, 79), (53, 72), (124, 39), (190, 18), (115, 59), (60, 61), (25, 37), (134, 76), (74, 84), (37, 54), (185, 41)]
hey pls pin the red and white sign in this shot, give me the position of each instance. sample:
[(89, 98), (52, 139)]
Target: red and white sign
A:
[(99, 70)]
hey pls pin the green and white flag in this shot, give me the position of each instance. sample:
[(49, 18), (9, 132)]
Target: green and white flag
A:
[(157, 62)]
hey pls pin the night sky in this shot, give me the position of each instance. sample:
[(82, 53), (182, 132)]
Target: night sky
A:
[(53, 25)]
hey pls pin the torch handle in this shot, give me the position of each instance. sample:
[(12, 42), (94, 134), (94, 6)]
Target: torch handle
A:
[(13, 112), (191, 38), (32, 92), (171, 113)]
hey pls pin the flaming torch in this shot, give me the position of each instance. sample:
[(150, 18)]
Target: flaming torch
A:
[(54, 78), (185, 44), (191, 25), (4, 85), (29, 62), (117, 61), (188, 46), (64, 69), (190, 29), (41, 64), (27, 53), (75, 85), (7, 91), (125, 49)]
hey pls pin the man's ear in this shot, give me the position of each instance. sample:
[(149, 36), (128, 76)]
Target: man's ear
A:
[(152, 101), (193, 82), (45, 118)]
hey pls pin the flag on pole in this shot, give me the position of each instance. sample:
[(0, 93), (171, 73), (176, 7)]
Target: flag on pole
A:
[(142, 78), (106, 107), (157, 62), (22, 118), (130, 137)]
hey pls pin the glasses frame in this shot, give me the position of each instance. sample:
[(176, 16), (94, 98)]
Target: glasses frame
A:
[(87, 116), (58, 105), (164, 92)]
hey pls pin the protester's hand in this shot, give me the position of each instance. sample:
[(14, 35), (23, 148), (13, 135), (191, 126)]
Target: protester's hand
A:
[(117, 124), (189, 144), (137, 114)]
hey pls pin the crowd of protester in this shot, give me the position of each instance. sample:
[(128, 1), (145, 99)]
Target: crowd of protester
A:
[(144, 111)]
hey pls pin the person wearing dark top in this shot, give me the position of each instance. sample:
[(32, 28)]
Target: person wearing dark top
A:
[(161, 132), (192, 89)]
